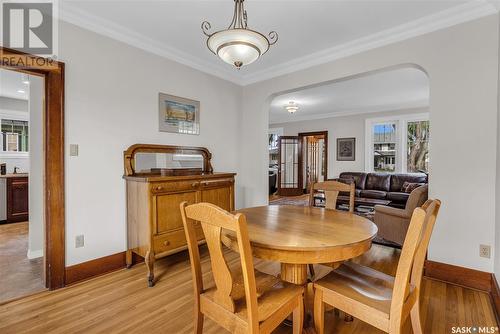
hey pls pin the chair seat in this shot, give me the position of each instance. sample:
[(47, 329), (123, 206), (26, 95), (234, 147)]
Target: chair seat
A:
[(272, 294), (360, 284)]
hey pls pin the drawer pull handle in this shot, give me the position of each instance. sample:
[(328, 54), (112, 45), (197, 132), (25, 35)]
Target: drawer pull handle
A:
[(159, 188), (166, 243), (194, 184)]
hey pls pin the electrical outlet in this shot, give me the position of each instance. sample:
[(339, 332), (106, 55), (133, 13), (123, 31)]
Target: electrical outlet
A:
[(79, 241), (485, 251), (73, 150)]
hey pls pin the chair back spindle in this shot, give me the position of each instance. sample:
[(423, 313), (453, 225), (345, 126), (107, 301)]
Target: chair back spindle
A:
[(331, 190)]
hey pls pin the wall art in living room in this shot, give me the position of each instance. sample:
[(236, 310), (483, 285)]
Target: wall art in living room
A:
[(346, 149)]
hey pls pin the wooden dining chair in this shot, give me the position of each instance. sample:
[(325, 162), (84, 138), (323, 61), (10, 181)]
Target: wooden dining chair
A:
[(243, 300), (331, 190), (381, 300)]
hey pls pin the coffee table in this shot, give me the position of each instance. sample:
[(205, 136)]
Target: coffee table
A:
[(357, 200)]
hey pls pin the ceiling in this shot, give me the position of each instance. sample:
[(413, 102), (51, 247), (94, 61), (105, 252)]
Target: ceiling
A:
[(330, 29), (390, 90), (12, 85)]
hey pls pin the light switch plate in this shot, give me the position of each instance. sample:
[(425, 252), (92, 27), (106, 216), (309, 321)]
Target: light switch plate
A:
[(73, 150), (79, 241)]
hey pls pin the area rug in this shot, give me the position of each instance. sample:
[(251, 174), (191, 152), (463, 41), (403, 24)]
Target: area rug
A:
[(302, 200)]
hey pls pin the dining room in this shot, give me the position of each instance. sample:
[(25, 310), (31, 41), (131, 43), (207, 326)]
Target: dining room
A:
[(169, 123)]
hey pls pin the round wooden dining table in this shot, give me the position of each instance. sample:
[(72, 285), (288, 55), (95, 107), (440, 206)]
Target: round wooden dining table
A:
[(297, 236)]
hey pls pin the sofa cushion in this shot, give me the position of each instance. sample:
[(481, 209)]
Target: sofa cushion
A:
[(397, 180), (398, 197), (378, 181), (377, 194), (358, 177)]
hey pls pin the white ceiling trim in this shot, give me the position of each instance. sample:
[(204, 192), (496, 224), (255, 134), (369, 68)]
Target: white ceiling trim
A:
[(118, 32), (459, 14), (424, 103), (444, 19)]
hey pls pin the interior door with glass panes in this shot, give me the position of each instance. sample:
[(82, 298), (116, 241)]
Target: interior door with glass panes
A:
[(290, 166)]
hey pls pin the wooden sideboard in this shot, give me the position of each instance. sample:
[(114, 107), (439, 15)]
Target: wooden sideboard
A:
[(154, 222)]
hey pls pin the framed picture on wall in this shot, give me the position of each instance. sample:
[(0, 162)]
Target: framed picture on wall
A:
[(179, 115), (346, 149)]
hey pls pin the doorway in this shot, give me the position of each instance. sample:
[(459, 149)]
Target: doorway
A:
[(315, 158), (51, 73), (302, 160), (21, 184)]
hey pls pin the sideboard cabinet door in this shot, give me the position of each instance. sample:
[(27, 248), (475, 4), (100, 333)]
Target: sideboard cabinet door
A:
[(219, 193), (168, 214)]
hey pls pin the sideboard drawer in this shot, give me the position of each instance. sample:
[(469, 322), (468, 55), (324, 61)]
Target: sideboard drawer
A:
[(162, 187), (216, 183), (172, 240)]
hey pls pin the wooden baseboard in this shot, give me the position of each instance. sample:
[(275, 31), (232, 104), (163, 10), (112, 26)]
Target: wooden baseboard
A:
[(469, 278), (86, 270), (495, 296)]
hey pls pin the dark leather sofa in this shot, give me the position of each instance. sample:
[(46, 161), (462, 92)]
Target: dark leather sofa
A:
[(383, 185)]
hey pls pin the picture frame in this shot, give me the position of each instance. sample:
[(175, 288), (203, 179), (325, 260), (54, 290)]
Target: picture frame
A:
[(178, 115), (346, 149)]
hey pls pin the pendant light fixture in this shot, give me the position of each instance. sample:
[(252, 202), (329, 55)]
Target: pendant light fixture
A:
[(238, 45), (292, 107)]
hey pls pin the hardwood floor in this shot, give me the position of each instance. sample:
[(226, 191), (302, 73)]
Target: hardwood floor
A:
[(120, 302), (19, 276)]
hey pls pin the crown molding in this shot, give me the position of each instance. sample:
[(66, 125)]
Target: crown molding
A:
[(423, 103), (444, 19), (123, 34)]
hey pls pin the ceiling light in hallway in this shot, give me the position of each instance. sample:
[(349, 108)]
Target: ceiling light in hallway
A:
[(291, 107)]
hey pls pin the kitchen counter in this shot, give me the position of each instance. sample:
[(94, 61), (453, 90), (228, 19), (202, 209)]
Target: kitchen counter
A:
[(6, 176)]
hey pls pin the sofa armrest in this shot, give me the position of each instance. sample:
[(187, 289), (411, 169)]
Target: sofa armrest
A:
[(401, 213)]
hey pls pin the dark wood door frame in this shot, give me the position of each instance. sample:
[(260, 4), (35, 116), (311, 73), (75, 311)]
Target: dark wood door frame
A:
[(53, 73), (317, 133), (290, 191)]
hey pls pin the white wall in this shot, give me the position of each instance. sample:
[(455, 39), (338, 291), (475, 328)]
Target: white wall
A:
[(36, 168), (342, 127), (462, 64), (111, 103)]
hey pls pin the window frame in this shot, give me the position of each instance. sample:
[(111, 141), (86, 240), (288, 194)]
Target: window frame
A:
[(401, 122), (14, 117)]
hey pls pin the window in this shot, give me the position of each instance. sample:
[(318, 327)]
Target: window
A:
[(14, 135), (384, 147), (417, 146), (398, 144)]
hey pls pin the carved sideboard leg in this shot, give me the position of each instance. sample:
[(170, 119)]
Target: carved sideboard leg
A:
[(150, 264), (128, 258)]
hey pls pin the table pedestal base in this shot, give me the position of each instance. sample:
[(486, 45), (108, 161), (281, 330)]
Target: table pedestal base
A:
[(294, 273)]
